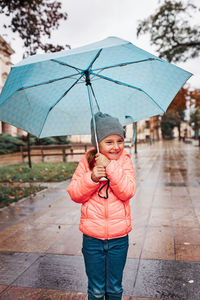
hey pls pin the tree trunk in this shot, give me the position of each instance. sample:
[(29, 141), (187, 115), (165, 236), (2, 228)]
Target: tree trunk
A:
[(179, 132), (157, 128)]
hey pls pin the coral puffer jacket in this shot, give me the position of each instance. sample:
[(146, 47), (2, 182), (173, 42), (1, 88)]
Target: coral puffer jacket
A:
[(105, 218)]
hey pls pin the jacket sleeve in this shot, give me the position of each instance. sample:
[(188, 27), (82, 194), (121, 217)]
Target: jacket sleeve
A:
[(122, 178), (82, 186)]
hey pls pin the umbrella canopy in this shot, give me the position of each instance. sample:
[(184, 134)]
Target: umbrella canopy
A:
[(48, 94)]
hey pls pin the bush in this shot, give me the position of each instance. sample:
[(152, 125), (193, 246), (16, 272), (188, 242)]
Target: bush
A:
[(46, 141), (10, 144)]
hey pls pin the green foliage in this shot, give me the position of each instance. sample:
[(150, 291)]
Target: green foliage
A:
[(10, 194), (57, 140), (32, 20), (13, 177), (40, 172), (171, 30), (10, 144), (61, 140), (195, 121), (168, 122)]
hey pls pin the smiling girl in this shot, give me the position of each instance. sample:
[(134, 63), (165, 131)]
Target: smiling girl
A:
[(105, 212)]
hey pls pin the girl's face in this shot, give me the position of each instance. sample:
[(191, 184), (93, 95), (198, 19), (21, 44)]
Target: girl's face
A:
[(112, 146)]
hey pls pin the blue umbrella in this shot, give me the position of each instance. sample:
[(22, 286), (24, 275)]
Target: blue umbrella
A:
[(54, 94)]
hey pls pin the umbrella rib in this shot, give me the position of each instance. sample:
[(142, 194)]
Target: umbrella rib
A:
[(128, 63), (95, 58), (128, 85), (65, 64), (65, 93), (47, 82)]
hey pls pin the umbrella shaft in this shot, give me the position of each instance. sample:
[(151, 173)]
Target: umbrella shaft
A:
[(93, 118)]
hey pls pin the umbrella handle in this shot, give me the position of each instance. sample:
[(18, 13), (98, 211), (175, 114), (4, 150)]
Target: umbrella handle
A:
[(103, 179)]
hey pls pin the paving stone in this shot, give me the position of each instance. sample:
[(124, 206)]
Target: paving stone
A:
[(168, 279), (60, 272), (10, 215), (21, 293), (70, 242), (14, 264), (59, 295), (129, 277), (31, 238), (188, 252), (185, 217), (161, 216), (159, 243), (24, 293), (160, 279), (2, 288), (136, 240), (187, 235), (64, 272)]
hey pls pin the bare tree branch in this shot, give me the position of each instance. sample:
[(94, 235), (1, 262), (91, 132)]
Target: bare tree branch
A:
[(171, 32), (34, 20)]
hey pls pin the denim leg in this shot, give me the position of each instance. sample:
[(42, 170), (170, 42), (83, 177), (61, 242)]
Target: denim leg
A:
[(116, 259), (94, 257)]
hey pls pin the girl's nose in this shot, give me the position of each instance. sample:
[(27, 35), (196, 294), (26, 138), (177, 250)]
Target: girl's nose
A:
[(116, 146)]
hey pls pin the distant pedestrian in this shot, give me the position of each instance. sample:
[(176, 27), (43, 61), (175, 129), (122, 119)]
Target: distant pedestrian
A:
[(105, 212)]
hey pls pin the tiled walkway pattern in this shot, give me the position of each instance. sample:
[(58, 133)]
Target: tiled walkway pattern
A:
[(40, 244)]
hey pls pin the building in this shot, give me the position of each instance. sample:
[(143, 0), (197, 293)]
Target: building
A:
[(5, 64)]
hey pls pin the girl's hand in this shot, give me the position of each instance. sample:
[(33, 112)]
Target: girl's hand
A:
[(102, 160), (98, 172)]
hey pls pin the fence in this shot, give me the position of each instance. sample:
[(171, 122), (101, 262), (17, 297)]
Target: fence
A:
[(64, 150)]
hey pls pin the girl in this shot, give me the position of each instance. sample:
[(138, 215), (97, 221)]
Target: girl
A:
[(105, 212)]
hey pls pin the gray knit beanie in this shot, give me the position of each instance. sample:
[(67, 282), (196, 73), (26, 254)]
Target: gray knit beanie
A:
[(105, 125)]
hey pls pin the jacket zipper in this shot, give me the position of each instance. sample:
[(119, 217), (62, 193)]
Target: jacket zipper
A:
[(106, 217)]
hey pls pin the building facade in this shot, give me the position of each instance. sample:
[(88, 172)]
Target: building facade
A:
[(5, 64)]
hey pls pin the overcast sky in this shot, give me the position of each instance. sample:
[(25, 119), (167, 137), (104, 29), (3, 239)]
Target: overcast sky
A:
[(92, 20)]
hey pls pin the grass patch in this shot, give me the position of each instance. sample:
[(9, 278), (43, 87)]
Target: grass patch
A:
[(10, 194), (40, 172), (12, 178)]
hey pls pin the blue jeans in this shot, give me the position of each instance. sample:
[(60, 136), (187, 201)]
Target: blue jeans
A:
[(104, 264)]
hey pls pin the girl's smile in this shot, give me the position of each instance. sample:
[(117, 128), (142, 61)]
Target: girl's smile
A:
[(112, 146)]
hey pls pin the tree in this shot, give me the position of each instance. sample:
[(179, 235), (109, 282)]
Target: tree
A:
[(176, 110), (179, 104), (195, 122), (195, 98), (33, 20), (171, 32), (180, 100), (168, 122)]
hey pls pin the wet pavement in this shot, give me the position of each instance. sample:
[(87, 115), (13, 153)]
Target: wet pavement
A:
[(40, 244)]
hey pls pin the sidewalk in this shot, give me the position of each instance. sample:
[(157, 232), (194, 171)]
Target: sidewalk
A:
[(40, 244)]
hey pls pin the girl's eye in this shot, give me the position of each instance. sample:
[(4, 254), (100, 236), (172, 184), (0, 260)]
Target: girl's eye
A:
[(108, 142)]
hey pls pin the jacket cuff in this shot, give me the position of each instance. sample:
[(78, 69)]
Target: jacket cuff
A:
[(89, 180)]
